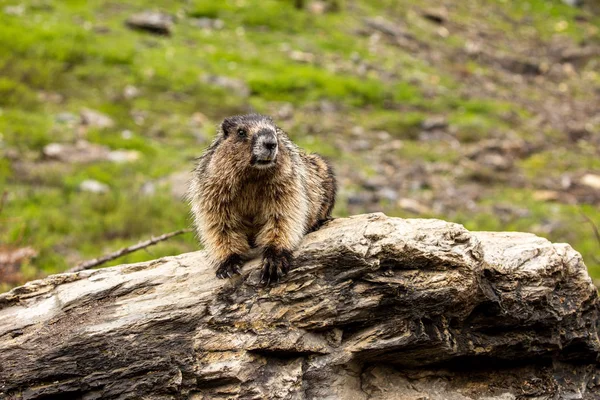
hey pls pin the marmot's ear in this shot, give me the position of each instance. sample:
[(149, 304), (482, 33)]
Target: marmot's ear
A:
[(227, 125)]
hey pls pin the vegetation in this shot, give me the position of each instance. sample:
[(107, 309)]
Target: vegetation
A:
[(330, 71)]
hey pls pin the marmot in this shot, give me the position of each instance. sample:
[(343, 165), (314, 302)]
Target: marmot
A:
[(252, 188)]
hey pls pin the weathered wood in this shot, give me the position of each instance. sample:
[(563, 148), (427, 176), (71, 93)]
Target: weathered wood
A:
[(376, 308)]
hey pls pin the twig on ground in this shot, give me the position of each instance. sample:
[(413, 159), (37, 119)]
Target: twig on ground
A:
[(119, 253)]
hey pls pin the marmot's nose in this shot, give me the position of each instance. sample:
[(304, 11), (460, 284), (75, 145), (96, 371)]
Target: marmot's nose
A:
[(270, 144)]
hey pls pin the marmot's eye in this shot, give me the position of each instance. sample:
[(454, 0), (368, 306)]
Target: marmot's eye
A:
[(241, 132)]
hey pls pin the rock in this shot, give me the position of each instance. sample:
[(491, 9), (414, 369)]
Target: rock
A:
[(93, 186), (317, 7), (360, 199), (387, 193), (123, 156), (148, 188), (66, 118), (508, 212), (591, 180), (95, 119), (413, 206), (327, 107), (130, 92), (508, 62), (286, 111), (53, 150), (11, 259), (208, 23), (139, 116), (438, 15), (579, 54), (546, 195), (237, 86), (150, 21), (16, 10), (375, 308), (177, 184), (198, 119), (385, 26), (574, 3), (126, 134), (434, 123), (496, 162), (302, 57), (80, 152), (360, 145)]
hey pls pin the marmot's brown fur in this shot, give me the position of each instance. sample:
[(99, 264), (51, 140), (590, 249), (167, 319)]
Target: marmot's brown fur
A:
[(253, 187)]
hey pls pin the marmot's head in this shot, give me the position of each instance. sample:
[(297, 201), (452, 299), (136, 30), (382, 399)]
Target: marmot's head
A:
[(251, 137)]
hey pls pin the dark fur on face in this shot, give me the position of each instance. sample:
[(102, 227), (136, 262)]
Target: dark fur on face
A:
[(254, 135)]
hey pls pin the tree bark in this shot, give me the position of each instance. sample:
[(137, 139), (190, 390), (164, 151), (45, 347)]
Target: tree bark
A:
[(375, 308)]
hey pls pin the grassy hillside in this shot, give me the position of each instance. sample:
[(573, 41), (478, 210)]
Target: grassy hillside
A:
[(479, 112)]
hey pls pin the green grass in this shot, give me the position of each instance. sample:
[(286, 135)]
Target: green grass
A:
[(60, 57)]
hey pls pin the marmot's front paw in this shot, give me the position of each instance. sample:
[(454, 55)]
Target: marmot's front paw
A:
[(276, 264), (230, 267)]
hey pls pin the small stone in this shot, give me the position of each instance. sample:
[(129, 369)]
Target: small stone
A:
[(360, 198), (139, 116), (130, 92), (387, 193), (591, 180), (53, 150), (151, 21), (123, 156), (237, 86), (432, 123), (327, 106), (127, 134), (384, 136), (95, 119), (302, 57), (93, 186), (546, 195), (360, 145), (286, 111), (148, 189), (412, 206), (208, 23), (16, 255), (50, 97), (317, 7), (179, 183), (199, 120), (496, 161), (438, 15), (66, 117), (80, 152), (357, 130), (16, 11), (385, 26)]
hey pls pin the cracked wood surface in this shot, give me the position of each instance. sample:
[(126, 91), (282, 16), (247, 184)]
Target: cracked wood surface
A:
[(375, 308)]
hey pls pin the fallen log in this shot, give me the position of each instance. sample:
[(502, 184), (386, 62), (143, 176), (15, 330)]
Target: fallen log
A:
[(375, 308)]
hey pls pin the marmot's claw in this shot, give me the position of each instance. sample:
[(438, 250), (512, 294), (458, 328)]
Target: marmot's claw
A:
[(276, 264), (229, 267)]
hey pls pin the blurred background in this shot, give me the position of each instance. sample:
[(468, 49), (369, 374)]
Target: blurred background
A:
[(485, 113)]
